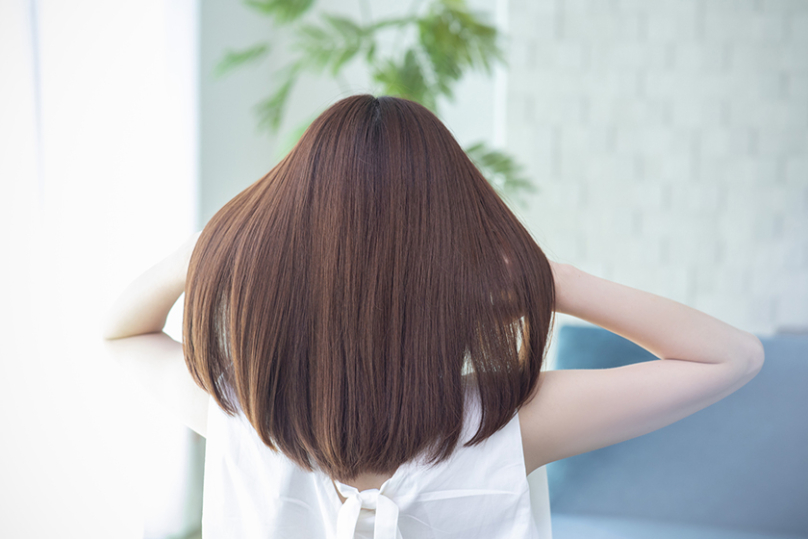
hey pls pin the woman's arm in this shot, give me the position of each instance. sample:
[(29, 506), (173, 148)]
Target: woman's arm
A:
[(134, 339), (144, 305), (702, 360), (664, 327)]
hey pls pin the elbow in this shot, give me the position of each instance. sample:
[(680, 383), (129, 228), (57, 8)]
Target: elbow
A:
[(110, 332), (107, 332), (756, 355)]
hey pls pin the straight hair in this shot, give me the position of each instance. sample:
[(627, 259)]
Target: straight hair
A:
[(345, 301)]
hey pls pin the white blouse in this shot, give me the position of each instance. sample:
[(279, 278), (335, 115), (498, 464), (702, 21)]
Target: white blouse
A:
[(250, 492)]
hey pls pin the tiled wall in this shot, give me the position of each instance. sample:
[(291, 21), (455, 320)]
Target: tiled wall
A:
[(669, 142)]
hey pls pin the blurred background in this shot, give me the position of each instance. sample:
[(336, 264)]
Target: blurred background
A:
[(662, 144)]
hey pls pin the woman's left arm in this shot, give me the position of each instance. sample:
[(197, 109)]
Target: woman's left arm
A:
[(134, 338)]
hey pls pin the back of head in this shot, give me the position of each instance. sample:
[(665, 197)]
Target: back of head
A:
[(344, 300)]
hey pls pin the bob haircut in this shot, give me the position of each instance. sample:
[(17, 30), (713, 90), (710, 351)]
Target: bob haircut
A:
[(345, 300)]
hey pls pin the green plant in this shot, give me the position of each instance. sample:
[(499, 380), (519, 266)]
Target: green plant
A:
[(450, 40)]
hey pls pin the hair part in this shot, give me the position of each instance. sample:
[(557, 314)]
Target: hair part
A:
[(344, 301)]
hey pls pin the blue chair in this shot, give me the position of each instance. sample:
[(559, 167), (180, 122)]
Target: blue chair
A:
[(737, 469)]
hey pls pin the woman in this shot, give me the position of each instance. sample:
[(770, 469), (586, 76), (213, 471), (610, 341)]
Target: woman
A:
[(364, 331)]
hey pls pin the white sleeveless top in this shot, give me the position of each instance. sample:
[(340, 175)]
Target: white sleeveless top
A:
[(250, 492)]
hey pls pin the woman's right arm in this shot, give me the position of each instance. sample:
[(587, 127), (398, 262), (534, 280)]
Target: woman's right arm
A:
[(702, 360)]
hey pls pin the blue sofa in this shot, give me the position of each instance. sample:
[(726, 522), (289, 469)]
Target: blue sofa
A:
[(737, 469)]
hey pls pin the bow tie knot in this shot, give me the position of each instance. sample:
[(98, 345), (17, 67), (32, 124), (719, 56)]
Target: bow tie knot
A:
[(368, 498), (386, 524)]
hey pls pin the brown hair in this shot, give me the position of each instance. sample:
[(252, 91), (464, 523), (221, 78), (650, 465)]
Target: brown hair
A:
[(347, 297)]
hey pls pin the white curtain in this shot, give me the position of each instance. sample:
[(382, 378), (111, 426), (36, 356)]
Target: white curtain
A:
[(98, 138)]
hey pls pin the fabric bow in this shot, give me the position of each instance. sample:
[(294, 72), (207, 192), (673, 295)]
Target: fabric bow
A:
[(386, 525)]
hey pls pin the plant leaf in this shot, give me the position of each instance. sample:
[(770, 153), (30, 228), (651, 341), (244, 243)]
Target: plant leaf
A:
[(396, 21), (282, 10), (456, 38), (500, 169), (370, 55), (405, 79), (344, 25), (331, 45), (270, 110), (233, 59)]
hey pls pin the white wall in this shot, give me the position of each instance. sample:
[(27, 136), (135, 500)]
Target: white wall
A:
[(670, 143), (97, 183)]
